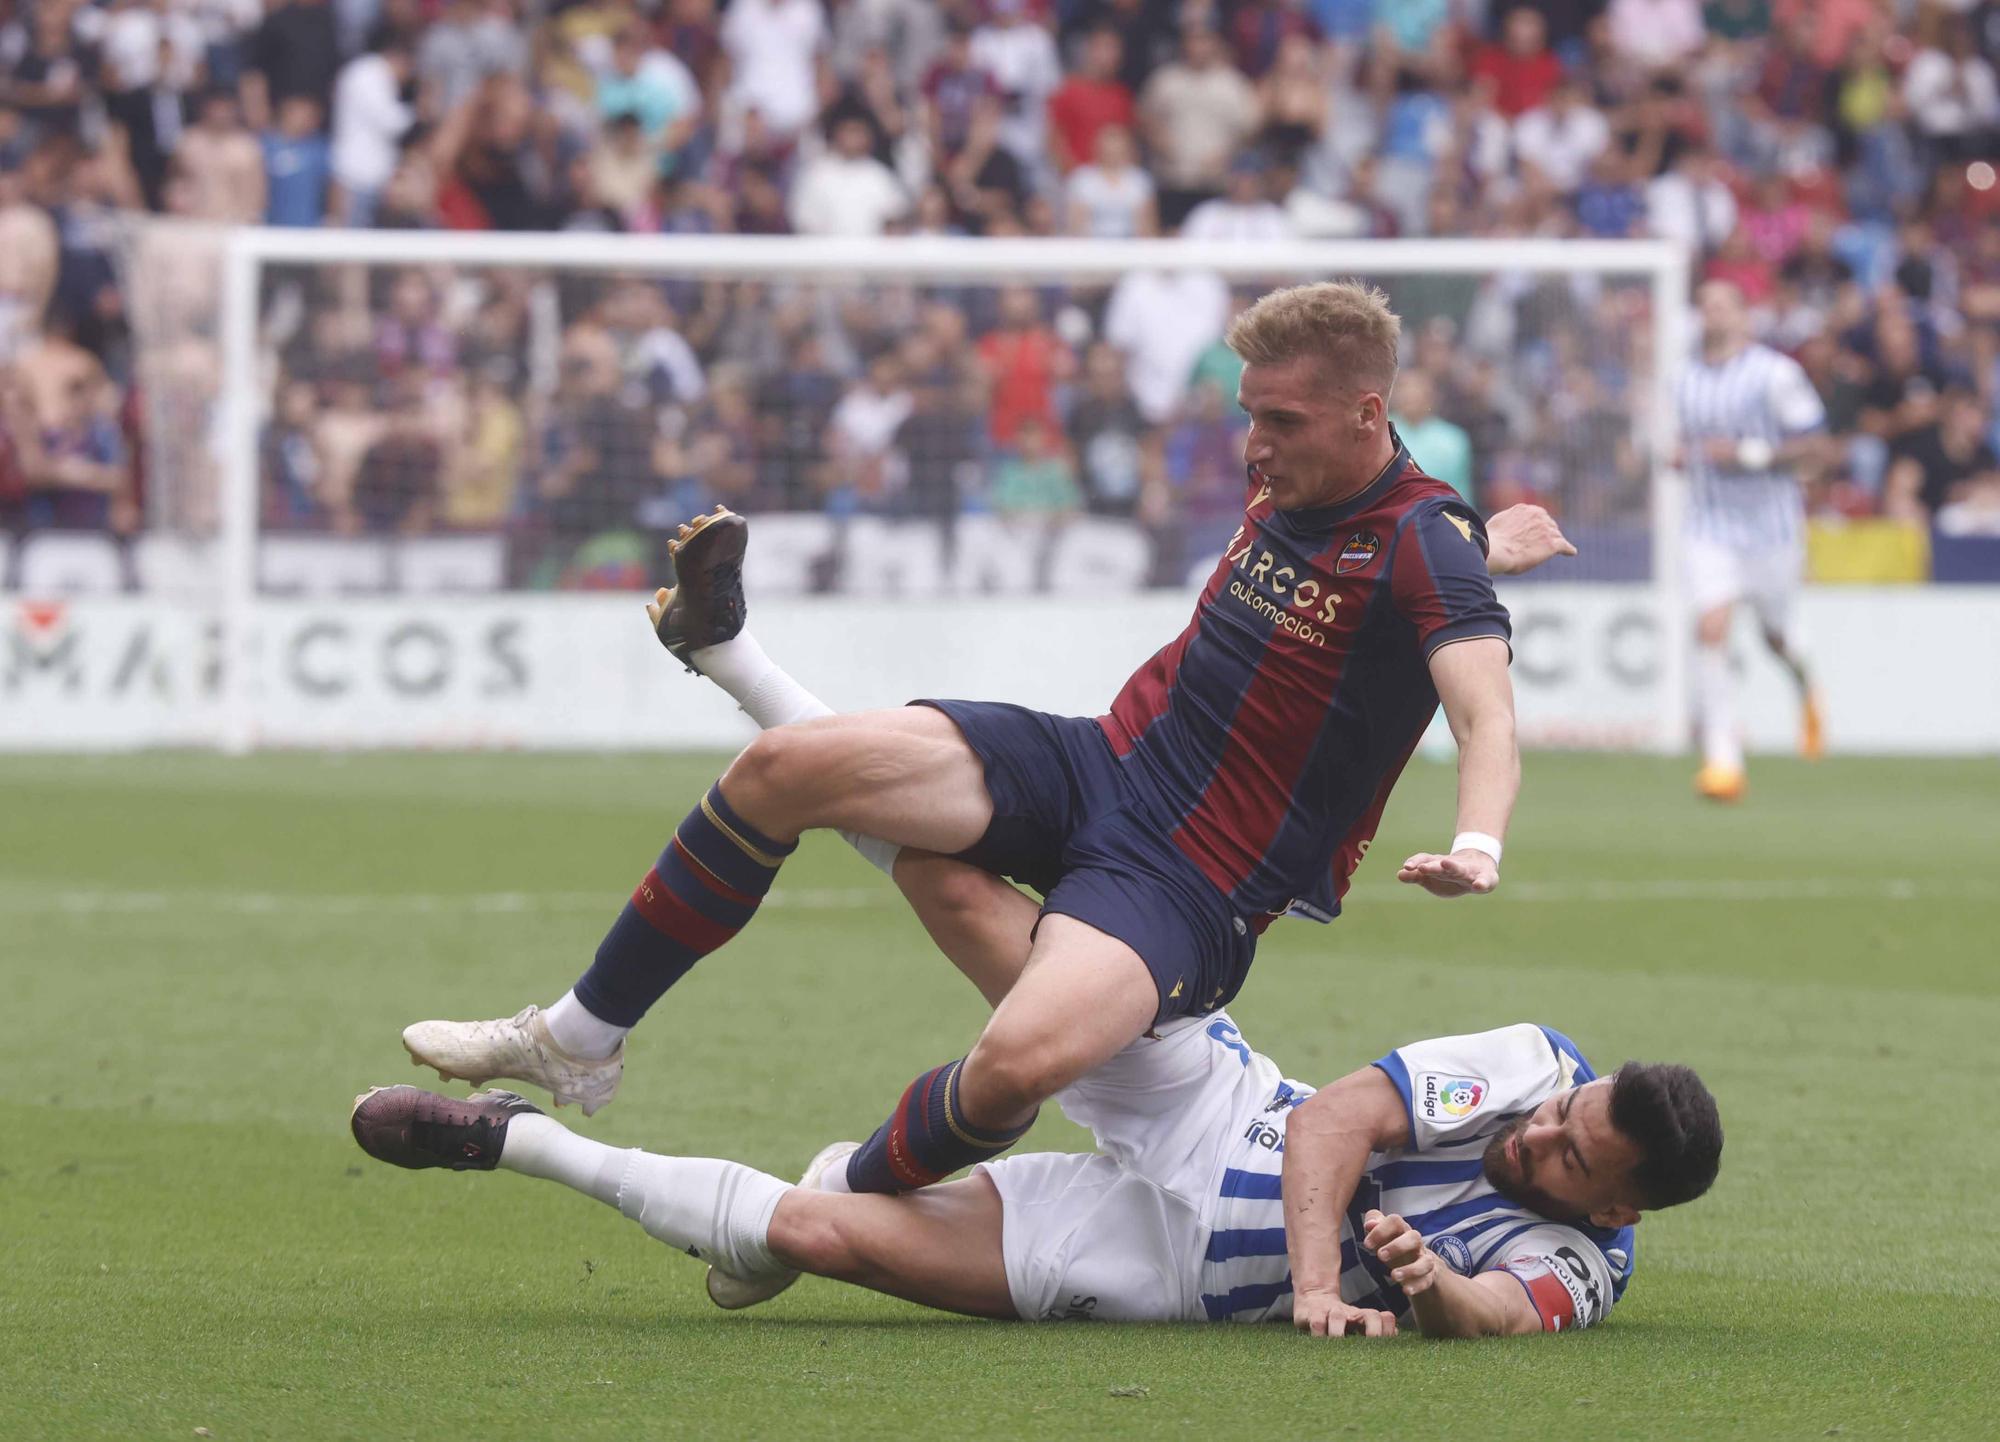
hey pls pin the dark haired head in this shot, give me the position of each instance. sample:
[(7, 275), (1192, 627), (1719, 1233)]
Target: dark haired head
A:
[(1670, 1116)]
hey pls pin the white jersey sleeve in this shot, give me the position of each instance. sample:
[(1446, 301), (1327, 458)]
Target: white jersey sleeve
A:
[(1457, 1088), (1569, 1278), (1793, 399)]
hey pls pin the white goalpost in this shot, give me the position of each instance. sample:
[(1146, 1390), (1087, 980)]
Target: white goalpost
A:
[(1581, 340)]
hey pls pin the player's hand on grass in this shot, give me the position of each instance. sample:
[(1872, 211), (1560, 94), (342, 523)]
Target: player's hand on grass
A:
[(1321, 1313), (1400, 1247), (1463, 873), (1520, 538)]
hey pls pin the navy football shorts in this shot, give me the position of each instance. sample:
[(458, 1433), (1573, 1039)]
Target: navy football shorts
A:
[(1069, 822)]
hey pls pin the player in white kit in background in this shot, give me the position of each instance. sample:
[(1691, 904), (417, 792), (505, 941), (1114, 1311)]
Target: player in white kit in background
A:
[(1749, 416)]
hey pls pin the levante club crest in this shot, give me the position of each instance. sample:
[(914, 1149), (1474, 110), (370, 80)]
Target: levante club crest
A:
[(1361, 548)]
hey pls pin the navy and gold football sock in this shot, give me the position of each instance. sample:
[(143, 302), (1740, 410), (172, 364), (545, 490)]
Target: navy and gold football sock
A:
[(705, 886), (926, 1138)]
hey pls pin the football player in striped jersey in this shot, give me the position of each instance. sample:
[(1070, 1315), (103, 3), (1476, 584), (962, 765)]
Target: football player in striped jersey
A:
[(1479, 1185)]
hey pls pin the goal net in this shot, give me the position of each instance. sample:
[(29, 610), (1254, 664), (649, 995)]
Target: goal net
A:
[(357, 425)]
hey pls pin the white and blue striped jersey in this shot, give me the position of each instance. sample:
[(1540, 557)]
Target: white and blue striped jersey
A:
[(1460, 1092), (1757, 394)]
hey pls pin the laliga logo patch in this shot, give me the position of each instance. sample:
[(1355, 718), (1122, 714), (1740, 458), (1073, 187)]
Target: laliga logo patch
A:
[(1450, 1097), (1361, 548)]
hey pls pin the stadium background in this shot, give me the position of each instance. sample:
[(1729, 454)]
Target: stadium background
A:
[(208, 955)]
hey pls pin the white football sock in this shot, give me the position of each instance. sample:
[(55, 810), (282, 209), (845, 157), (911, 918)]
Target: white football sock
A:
[(1715, 690), (770, 697), (579, 1031), (539, 1146), (765, 691), (718, 1211)]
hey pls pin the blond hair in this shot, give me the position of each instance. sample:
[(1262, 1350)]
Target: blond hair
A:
[(1346, 325)]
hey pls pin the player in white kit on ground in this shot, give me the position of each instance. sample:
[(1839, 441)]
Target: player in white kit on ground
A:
[(1478, 1185), (1749, 415)]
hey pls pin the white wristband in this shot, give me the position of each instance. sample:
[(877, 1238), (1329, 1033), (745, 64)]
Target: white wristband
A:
[(1477, 841), (1755, 453)]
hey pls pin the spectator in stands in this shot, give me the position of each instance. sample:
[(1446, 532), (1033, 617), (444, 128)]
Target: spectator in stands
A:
[(622, 169), (1608, 205), (483, 467), (1091, 100), (1559, 139), (1019, 53), (149, 58), (222, 164), (1198, 112), (652, 86), (952, 87), (296, 52), (1162, 321), (411, 338), (777, 62), (396, 486), (291, 462), (1112, 197), (1034, 489), (1024, 362), (1521, 71), (1692, 203), (1440, 447), (471, 40), (1116, 451), (989, 187), (1293, 96), (941, 445), (47, 79), (861, 434), (66, 437), (600, 456), (1932, 465), (845, 190), (298, 165), (1656, 34), (1243, 212), (1950, 89), (369, 122), (1203, 466)]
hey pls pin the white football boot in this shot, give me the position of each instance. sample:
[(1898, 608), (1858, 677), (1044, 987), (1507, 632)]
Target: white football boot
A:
[(733, 1294), (517, 1048)]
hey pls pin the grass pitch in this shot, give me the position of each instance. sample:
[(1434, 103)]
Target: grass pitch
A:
[(206, 959)]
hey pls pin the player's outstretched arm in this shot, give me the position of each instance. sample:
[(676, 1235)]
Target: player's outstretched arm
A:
[(1327, 1141), (1490, 1304), (1478, 696), (1520, 538)]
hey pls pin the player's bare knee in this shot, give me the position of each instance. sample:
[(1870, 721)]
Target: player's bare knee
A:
[(807, 1233), (1006, 1078), (945, 891), (771, 773)]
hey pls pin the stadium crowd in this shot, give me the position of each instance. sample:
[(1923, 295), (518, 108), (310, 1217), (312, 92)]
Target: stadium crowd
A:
[(1835, 159)]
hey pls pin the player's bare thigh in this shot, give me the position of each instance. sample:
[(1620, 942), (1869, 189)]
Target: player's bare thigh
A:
[(905, 776), (939, 1247), (1711, 627)]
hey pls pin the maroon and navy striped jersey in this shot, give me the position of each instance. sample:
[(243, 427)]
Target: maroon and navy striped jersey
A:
[(1272, 729)]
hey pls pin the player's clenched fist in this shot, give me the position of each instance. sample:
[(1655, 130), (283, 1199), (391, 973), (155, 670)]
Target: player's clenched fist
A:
[(1322, 1313), (1400, 1247)]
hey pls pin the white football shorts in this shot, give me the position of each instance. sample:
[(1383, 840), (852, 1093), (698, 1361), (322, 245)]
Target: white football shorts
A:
[(1119, 1235), (1720, 574)]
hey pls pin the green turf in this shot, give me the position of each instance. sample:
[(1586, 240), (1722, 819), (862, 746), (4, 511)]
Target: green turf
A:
[(205, 959)]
